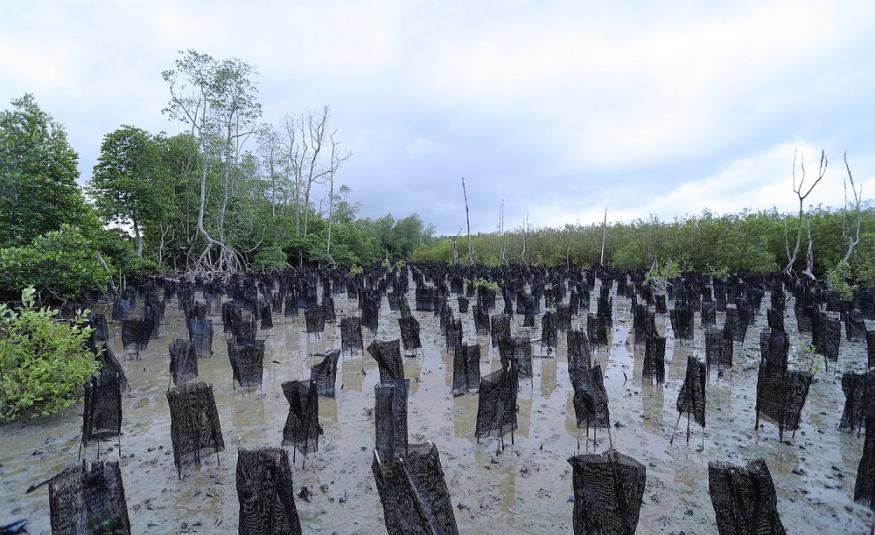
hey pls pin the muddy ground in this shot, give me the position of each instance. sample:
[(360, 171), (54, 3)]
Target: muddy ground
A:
[(526, 489)]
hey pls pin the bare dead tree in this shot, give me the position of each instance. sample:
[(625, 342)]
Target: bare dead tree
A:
[(503, 260), (456, 248), (336, 158), (798, 190), (604, 237), (219, 106), (852, 235), (468, 223), (525, 237)]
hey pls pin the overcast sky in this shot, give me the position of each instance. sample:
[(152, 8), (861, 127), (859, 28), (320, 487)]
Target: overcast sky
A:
[(559, 108)]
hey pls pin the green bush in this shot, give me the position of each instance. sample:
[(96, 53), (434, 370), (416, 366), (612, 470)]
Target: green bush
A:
[(269, 258), (43, 363), (62, 265)]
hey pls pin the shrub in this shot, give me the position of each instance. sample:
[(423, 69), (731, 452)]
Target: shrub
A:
[(837, 280), (43, 362), (269, 258), (61, 265)]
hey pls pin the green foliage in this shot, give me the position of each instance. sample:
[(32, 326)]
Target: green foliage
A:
[(731, 243), (837, 280), (38, 190), (356, 270), (809, 357), (483, 283), (269, 258), (43, 363), (662, 273), (62, 265), (125, 185)]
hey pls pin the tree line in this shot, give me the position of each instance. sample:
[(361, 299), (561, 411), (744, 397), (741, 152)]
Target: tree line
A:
[(228, 193), (720, 244), (233, 192)]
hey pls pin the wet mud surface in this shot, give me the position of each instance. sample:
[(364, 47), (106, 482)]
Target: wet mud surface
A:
[(525, 489)]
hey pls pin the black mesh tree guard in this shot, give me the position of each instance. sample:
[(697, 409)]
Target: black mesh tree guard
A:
[(864, 488), (691, 398), (291, 304), (413, 493), (496, 409), (590, 398), (481, 319), (463, 304), (351, 335), (775, 319), (596, 329), (324, 374), (608, 490), (709, 313), (152, 314), (183, 361), (101, 329), (453, 336), (579, 353), (804, 317), (315, 320), (466, 369), (858, 389), (744, 499), (410, 333), (328, 309), (549, 332), (718, 349), (781, 393), (121, 309), (302, 427), (102, 410), (826, 337), (424, 299), (870, 348), (266, 494), (89, 499), (390, 418), (519, 350), (654, 359), (500, 328), (200, 333), (194, 424), (388, 357), (855, 327), (371, 314), (682, 323), (247, 362), (110, 364), (265, 314), (136, 334)]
